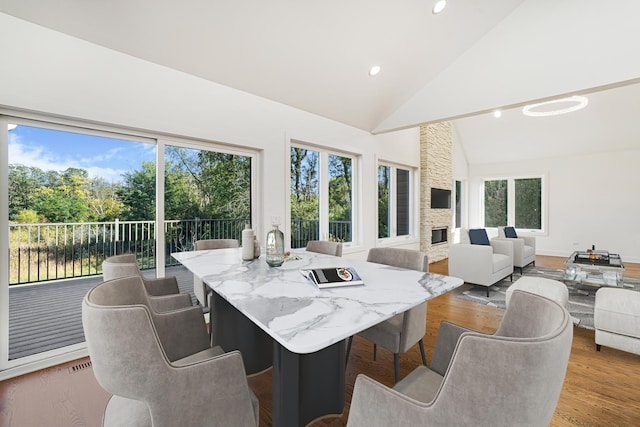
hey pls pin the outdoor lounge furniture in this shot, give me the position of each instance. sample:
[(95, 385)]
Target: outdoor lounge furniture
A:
[(161, 368), (481, 262), (510, 378)]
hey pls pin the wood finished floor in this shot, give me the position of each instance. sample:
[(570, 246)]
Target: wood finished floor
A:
[(601, 388)]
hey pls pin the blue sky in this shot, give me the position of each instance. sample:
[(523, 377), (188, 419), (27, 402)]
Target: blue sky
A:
[(57, 150)]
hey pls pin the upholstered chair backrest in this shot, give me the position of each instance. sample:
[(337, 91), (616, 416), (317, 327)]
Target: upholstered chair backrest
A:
[(118, 266), (325, 247), (464, 236), (516, 374), (397, 257), (121, 338), (216, 244)]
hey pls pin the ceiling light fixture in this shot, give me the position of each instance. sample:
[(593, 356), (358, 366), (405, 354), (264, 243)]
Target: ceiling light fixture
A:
[(374, 70), (576, 103), (497, 114), (439, 6)]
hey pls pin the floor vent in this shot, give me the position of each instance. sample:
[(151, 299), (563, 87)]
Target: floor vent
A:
[(79, 367)]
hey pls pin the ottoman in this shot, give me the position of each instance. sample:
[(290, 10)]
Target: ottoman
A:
[(616, 319), (548, 288)]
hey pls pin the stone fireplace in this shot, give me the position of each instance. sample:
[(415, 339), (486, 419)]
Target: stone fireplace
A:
[(436, 172), (439, 235)]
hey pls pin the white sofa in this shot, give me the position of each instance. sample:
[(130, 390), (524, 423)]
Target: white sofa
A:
[(481, 265), (616, 319), (524, 249)]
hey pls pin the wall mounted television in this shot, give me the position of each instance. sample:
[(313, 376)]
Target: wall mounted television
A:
[(440, 199)]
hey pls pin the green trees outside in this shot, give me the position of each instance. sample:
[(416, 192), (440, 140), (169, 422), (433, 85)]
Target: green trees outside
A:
[(198, 184), (527, 202), (528, 209), (383, 200), (495, 203), (305, 196), (305, 202)]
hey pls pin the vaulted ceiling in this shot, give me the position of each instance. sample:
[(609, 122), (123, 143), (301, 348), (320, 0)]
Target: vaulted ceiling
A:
[(460, 65)]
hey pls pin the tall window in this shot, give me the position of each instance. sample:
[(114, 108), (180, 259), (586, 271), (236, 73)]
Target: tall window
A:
[(321, 196), (394, 201), (207, 195), (75, 197), (458, 205), (514, 201)]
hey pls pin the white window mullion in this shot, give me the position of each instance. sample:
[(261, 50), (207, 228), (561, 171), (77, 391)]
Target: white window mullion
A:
[(160, 234), (323, 180), (511, 201), (4, 244)]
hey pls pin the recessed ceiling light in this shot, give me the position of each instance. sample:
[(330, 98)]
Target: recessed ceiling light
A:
[(497, 114), (439, 6), (568, 105), (374, 70)]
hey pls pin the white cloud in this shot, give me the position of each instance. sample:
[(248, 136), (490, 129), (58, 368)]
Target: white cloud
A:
[(40, 157)]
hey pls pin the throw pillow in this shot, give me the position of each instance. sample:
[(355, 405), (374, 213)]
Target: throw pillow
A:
[(478, 236), (510, 232)]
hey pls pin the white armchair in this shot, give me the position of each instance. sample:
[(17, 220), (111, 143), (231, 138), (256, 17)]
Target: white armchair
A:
[(481, 264), (524, 248)]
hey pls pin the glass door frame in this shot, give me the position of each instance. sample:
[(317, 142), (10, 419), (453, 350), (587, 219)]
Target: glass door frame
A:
[(12, 368)]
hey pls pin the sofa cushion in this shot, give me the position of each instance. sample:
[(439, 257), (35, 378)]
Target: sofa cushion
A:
[(510, 232), (478, 236), (500, 262), (528, 252), (617, 310)]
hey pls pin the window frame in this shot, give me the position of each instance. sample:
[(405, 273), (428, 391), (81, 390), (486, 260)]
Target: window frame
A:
[(511, 201), (323, 189), (412, 208), (23, 365)]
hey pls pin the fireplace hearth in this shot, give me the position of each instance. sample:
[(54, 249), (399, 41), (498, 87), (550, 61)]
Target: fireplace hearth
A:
[(439, 235)]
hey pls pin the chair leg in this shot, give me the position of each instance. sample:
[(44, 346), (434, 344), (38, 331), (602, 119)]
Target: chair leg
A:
[(488, 291), (349, 341), (396, 367), (375, 351), (521, 271), (597, 347), (424, 359)]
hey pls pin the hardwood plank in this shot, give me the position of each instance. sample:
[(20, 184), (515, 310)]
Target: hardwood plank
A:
[(600, 387)]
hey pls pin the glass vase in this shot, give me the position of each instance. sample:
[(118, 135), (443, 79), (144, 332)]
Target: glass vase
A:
[(275, 247)]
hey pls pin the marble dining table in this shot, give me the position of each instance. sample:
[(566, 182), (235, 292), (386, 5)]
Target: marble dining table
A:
[(278, 318)]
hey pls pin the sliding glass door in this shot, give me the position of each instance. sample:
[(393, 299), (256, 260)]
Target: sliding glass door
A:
[(73, 198)]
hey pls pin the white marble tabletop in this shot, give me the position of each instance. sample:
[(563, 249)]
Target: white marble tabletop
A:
[(301, 317)]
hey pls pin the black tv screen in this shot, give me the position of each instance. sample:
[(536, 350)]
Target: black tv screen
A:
[(440, 199)]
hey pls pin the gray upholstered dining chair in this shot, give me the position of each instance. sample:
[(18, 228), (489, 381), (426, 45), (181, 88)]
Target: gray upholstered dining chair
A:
[(325, 247), (160, 367), (202, 292), (163, 292), (404, 330), (510, 378)]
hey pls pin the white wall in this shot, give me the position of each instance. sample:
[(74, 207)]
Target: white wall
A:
[(592, 200), (51, 73), (544, 48)]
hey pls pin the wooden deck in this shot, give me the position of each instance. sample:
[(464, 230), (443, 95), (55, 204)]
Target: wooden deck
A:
[(48, 315)]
